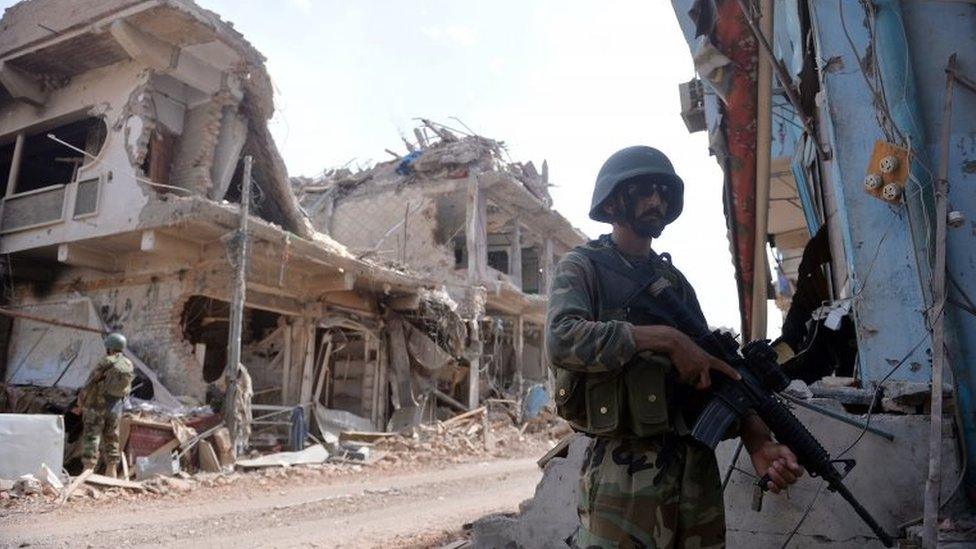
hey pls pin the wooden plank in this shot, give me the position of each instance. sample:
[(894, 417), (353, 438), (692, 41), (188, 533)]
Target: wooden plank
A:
[(561, 449), (165, 448), (364, 436), (207, 457), (102, 480), (78, 480), (461, 417)]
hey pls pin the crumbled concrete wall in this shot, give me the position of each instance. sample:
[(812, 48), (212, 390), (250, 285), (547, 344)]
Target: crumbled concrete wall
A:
[(889, 480), (193, 161), (365, 222), (546, 520)]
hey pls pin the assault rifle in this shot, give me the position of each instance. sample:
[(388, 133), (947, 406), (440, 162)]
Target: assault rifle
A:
[(762, 378)]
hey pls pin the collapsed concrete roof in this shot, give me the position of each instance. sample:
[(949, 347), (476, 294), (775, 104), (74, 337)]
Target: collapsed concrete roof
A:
[(44, 43), (440, 154)]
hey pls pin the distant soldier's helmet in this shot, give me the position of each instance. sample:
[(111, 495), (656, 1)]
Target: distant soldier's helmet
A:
[(115, 342), (632, 163)]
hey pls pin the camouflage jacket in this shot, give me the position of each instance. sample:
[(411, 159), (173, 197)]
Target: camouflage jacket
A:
[(576, 338)]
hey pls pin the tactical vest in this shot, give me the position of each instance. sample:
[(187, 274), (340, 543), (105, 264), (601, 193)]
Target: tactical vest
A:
[(110, 381), (638, 399)]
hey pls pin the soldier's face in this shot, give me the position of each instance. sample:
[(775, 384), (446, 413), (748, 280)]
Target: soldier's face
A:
[(647, 207), (650, 203)]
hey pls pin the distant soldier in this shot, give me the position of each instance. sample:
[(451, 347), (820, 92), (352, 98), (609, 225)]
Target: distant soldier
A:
[(101, 405)]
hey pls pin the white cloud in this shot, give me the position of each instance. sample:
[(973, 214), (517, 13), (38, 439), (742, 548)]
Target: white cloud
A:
[(304, 6), (455, 35)]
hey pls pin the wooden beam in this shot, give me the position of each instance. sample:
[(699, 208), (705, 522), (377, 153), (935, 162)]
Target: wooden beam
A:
[(404, 302), (338, 282), (22, 85), (77, 256), (350, 300)]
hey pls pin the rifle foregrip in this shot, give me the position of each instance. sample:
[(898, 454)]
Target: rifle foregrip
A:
[(813, 457)]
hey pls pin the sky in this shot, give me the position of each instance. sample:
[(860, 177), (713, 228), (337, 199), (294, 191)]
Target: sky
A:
[(570, 81)]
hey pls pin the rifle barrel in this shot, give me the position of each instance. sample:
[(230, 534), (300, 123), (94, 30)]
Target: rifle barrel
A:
[(835, 484)]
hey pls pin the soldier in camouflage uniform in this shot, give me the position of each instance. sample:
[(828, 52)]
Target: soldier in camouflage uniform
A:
[(101, 405), (633, 382)]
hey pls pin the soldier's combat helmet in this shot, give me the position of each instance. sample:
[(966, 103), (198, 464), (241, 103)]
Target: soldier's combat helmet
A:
[(646, 163), (115, 342)]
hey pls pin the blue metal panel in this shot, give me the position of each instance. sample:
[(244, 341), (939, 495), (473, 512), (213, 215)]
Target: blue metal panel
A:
[(888, 303), (935, 30)]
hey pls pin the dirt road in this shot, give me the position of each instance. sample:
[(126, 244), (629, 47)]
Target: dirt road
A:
[(379, 511)]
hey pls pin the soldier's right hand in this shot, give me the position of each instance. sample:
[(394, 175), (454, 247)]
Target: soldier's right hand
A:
[(692, 364)]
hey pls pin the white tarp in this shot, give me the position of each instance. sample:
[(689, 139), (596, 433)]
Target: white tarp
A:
[(29, 440), (312, 454), (40, 352)]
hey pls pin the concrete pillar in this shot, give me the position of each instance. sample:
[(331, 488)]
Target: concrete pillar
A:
[(515, 254), (546, 263), (15, 165), (518, 344), (476, 231)]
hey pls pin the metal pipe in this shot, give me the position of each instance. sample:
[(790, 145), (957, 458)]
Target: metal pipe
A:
[(839, 417), (933, 483), (735, 459)]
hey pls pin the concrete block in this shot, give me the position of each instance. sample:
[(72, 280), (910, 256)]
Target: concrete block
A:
[(550, 516), (889, 480), (28, 441)]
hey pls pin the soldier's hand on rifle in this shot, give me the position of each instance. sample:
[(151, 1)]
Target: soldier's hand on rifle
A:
[(692, 364), (779, 462), (768, 457)]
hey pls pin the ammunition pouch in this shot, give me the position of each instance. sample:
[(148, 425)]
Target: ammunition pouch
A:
[(630, 402)]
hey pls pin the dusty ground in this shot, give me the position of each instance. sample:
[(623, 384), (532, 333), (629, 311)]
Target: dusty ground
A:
[(383, 508), (414, 500)]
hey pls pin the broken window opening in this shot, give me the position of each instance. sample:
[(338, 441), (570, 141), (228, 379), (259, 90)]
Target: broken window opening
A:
[(531, 274), (44, 162), (159, 157), (206, 325), (263, 204)]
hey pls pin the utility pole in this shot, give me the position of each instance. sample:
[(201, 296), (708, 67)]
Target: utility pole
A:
[(232, 369)]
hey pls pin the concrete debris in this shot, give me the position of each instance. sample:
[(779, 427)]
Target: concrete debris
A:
[(464, 436), (51, 482), (549, 518), (313, 454), (158, 464), (27, 485)]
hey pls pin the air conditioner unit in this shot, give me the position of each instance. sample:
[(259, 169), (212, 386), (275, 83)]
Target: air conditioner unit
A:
[(693, 105)]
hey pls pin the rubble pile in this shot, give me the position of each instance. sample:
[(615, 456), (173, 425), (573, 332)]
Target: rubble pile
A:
[(464, 437)]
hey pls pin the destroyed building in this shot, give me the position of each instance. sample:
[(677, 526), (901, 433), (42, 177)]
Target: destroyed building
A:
[(454, 210), (124, 126)]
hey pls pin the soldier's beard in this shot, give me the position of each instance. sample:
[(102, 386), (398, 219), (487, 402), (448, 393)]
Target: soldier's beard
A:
[(647, 228)]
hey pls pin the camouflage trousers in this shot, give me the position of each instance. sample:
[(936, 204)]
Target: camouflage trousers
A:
[(101, 434), (659, 492)]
